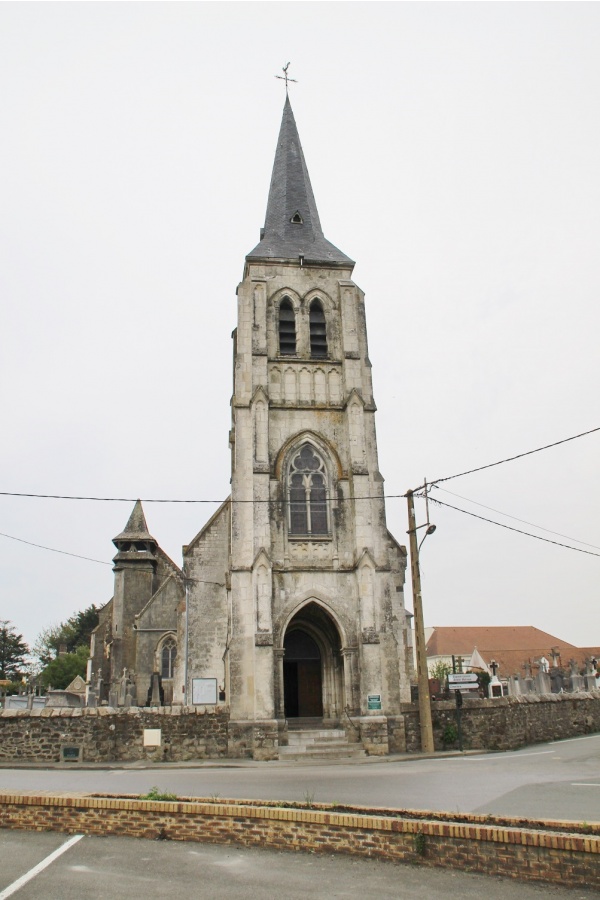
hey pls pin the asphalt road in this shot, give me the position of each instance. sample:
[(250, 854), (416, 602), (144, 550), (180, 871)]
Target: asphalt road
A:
[(125, 868), (560, 780)]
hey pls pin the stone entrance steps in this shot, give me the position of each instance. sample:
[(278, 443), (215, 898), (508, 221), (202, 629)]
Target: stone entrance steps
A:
[(310, 739)]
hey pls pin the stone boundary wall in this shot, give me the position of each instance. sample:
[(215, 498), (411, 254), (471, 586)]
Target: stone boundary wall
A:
[(117, 735), (528, 851), (507, 723), (112, 735)]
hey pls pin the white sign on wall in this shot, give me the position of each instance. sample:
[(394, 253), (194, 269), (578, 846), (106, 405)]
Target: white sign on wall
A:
[(204, 691)]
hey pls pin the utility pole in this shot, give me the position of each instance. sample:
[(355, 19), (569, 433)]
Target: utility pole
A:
[(422, 671)]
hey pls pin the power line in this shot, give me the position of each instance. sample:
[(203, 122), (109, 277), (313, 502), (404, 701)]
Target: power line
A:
[(508, 527), (53, 549), (512, 458), (160, 500), (434, 483), (516, 518)]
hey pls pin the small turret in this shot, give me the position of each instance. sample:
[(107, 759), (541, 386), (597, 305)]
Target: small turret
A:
[(135, 542)]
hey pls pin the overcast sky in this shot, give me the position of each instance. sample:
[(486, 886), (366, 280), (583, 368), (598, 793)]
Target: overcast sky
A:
[(453, 151)]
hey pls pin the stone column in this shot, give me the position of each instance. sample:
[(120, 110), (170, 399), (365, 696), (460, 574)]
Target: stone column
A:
[(349, 655)]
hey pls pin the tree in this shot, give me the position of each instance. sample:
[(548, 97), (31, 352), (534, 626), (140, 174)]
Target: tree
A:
[(73, 633), (13, 651), (60, 672), (440, 670)]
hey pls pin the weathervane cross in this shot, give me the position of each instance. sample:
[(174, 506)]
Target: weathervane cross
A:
[(285, 77)]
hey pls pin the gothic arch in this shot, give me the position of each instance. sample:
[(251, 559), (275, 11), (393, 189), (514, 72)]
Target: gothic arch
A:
[(274, 304), (312, 674), (295, 607), (166, 655), (329, 304), (322, 446)]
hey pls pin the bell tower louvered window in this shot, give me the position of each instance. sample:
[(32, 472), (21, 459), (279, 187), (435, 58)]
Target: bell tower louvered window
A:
[(318, 331), (287, 328), (307, 493)]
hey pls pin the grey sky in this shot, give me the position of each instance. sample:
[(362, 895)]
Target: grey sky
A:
[(453, 151)]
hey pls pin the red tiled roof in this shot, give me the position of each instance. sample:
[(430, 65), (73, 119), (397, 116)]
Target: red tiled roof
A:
[(511, 646)]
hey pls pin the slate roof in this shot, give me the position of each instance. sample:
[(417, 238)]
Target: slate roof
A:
[(510, 646), (291, 197), (136, 528)]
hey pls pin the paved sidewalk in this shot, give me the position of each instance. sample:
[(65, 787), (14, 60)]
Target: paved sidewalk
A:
[(224, 763)]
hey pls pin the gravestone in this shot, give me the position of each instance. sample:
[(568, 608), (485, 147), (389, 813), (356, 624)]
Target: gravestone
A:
[(528, 682), (156, 694), (590, 675), (556, 681), (576, 682), (542, 682), (514, 685)]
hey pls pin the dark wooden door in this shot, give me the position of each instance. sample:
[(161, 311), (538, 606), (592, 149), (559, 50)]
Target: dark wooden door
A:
[(310, 688), (303, 688)]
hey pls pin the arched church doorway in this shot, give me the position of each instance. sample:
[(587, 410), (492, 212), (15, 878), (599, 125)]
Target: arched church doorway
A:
[(302, 676), (313, 672)]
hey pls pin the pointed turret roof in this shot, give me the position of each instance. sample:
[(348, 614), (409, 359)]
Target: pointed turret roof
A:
[(292, 226), (136, 528)]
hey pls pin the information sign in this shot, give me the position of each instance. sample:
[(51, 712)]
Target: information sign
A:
[(204, 691), (462, 677), (373, 701)]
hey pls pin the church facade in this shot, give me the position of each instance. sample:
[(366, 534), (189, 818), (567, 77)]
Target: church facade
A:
[(289, 605)]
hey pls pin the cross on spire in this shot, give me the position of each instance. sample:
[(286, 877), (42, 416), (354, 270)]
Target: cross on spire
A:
[(285, 77)]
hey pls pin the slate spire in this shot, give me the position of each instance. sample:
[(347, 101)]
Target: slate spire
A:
[(136, 528), (292, 227)]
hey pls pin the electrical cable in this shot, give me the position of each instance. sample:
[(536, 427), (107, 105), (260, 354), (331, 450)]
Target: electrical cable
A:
[(516, 518), (512, 458), (508, 527), (53, 549), (435, 481)]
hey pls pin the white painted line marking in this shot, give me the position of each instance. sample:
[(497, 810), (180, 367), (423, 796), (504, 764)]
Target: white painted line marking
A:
[(505, 754), (16, 885), (573, 784)]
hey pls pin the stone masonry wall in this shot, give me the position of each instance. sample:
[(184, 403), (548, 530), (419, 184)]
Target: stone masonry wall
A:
[(107, 735), (507, 723)]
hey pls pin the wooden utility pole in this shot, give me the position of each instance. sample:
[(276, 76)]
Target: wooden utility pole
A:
[(427, 745)]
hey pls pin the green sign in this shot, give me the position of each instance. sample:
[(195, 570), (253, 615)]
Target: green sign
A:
[(373, 701)]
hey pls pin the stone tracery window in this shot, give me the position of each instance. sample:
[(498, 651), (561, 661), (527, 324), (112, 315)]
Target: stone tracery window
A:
[(168, 654), (307, 494), (287, 328)]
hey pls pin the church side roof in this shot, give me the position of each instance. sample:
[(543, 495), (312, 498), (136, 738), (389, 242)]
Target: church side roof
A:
[(292, 225)]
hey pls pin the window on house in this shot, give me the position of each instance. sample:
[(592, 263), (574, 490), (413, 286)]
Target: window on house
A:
[(307, 492), (318, 331), (167, 658), (287, 328)]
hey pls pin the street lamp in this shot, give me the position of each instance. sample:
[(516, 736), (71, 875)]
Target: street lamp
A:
[(427, 745)]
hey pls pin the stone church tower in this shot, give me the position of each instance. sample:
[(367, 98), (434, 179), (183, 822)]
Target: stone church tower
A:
[(294, 589)]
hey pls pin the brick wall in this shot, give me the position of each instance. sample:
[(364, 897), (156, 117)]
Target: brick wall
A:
[(531, 851)]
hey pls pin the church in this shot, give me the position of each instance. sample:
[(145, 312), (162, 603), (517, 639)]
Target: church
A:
[(289, 604)]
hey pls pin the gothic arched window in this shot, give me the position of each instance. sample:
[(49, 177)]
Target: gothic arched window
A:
[(287, 328), (167, 657), (318, 331), (307, 493)]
